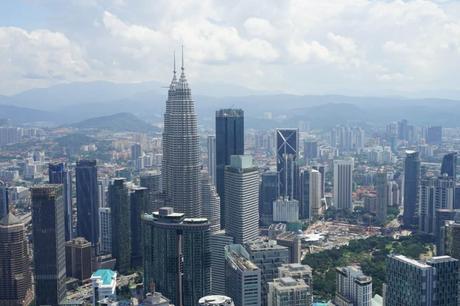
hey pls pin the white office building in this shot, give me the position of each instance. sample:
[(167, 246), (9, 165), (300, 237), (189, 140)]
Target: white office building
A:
[(343, 184)]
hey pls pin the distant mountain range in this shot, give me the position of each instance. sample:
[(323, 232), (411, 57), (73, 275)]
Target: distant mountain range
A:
[(119, 122), (66, 104)]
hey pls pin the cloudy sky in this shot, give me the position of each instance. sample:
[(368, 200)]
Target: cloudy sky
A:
[(297, 46)]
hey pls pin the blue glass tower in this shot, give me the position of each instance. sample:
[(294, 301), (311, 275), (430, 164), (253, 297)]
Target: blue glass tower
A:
[(58, 174), (411, 188)]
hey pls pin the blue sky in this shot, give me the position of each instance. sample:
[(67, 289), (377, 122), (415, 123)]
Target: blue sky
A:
[(358, 47)]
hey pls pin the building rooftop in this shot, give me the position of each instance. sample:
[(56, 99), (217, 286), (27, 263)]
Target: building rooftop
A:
[(10, 219), (261, 244), (215, 300), (105, 275), (411, 261)]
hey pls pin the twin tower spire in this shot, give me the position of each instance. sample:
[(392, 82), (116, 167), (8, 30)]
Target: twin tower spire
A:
[(182, 76)]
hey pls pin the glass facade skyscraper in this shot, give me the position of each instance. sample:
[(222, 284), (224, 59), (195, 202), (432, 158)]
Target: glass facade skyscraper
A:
[(87, 201), (49, 244), (411, 188), (268, 195), (449, 165), (138, 206), (177, 256), (287, 155), (229, 141), (58, 174), (121, 224)]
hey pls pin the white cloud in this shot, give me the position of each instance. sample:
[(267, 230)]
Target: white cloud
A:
[(38, 57), (297, 46)]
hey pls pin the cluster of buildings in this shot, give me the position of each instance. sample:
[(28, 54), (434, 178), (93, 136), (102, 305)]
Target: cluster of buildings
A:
[(194, 231)]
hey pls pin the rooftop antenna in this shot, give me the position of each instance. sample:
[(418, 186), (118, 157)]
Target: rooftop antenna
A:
[(182, 58)]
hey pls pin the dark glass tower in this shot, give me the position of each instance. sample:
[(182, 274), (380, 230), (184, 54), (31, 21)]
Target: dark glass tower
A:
[(177, 256), (58, 174), (87, 201), (49, 244), (304, 194), (121, 224), (139, 203), (449, 165), (3, 199), (268, 194), (287, 154), (411, 188), (229, 141)]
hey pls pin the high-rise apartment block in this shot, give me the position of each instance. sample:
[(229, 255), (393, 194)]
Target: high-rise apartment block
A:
[(287, 291), (217, 243), (268, 256), (242, 277), (411, 282), (352, 287)]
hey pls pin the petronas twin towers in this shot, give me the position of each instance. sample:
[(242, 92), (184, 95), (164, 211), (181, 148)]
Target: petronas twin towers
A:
[(181, 151)]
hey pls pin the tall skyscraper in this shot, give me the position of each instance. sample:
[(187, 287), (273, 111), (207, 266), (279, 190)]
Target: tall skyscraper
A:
[(58, 174), (176, 258), (105, 230), (138, 206), (381, 187), (241, 198), (411, 282), (217, 242), (268, 195), (353, 287), (210, 202), (15, 280), (242, 277), (121, 224), (434, 194), (310, 150), (211, 144), (181, 150), (343, 184), (449, 165), (87, 201), (136, 151), (3, 199), (152, 181), (315, 205), (304, 194), (411, 188), (434, 135), (49, 244), (229, 141), (287, 155)]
